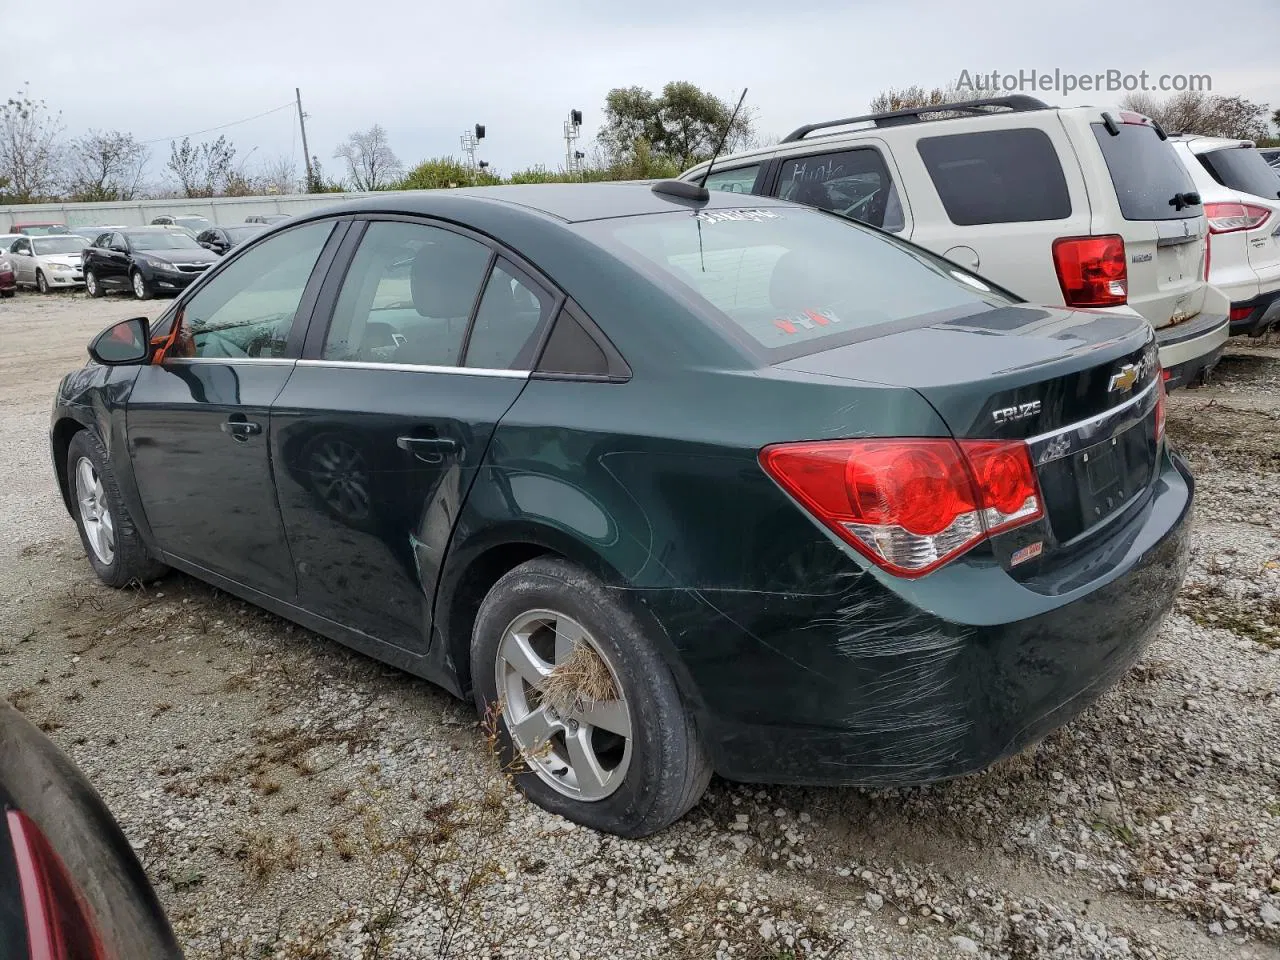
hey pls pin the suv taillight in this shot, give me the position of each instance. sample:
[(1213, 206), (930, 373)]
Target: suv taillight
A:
[(1230, 217), (1092, 271), (910, 505)]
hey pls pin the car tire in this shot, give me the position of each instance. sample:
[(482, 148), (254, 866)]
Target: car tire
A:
[(8, 293), (42, 282), (141, 289), (114, 547), (92, 285), (651, 777)]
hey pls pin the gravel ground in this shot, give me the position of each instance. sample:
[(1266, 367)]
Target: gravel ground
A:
[(293, 799)]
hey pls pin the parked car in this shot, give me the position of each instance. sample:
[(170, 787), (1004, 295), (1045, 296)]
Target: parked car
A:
[(8, 282), (222, 239), (1084, 207), (267, 218), (1241, 196), (39, 229), (48, 262), (71, 887), (192, 223), (673, 481), (146, 260)]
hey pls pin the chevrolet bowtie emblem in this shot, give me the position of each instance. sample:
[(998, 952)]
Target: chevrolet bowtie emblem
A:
[(1124, 380)]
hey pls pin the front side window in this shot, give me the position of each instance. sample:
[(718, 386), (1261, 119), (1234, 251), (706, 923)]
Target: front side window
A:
[(737, 180), (790, 278), (997, 176), (407, 297), (22, 247), (855, 184), (248, 309), (505, 334)]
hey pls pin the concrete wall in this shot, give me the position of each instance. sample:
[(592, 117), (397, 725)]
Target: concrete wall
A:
[(221, 210)]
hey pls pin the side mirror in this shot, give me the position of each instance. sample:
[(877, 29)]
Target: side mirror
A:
[(124, 343)]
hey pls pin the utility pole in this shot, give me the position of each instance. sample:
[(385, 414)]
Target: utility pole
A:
[(306, 153)]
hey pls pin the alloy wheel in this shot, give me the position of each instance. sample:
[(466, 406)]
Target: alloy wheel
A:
[(90, 283), (42, 284), (579, 746), (99, 527), (139, 286)]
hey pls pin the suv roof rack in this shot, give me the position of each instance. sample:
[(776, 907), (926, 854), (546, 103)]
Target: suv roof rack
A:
[(1015, 103)]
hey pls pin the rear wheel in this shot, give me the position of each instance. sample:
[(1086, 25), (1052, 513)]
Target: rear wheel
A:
[(589, 718), (92, 285), (42, 284), (116, 551), (141, 289), (7, 293)]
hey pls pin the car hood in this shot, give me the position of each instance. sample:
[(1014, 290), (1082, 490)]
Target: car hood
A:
[(66, 259)]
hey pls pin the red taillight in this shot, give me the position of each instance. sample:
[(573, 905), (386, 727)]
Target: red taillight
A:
[(59, 924), (1161, 394), (910, 505), (1092, 271), (1230, 217)]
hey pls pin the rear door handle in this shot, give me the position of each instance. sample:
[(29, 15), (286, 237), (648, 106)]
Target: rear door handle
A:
[(428, 449), (241, 430)]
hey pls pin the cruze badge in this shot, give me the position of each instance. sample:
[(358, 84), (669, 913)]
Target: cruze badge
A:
[(1012, 414), (1124, 379)]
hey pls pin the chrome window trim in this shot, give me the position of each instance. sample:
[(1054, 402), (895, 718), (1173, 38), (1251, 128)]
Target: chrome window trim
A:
[(266, 361), (415, 368), (1071, 439)]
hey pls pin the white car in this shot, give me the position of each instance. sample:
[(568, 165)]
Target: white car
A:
[(48, 263), (1241, 194), (1084, 207)]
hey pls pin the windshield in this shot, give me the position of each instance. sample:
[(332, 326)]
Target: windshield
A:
[(239, 234), (1146, 173), (1243, 169), (789, 277), (42, 229), (162, 240), (63, 244), (192, 223)]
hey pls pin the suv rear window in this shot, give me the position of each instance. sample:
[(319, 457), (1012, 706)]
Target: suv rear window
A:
[(997, 176), (1243, 169), (1145, 172), (794, 280)]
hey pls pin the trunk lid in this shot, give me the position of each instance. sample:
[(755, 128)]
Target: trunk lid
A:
[(1078, 386)]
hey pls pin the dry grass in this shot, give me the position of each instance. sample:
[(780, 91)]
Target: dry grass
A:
[(579, 681)]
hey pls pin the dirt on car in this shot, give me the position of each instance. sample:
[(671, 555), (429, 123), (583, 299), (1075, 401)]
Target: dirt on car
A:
[(291, 798)]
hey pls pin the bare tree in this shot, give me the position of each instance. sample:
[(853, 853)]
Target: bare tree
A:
[(280, 175), (371, 163), (1207, 114), (105, 166), (30, 148), (905, 98), (202, 169)]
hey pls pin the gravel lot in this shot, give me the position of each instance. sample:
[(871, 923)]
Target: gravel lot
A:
[(291, 798)]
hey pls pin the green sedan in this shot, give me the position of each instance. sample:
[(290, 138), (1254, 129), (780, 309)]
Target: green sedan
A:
[(666, 484)]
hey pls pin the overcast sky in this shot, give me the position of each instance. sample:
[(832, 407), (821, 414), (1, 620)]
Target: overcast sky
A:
[(426, 71)]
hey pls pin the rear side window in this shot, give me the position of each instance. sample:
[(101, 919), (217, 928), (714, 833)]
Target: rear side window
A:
[(998, 176), (1146, 173), (737, 180), (855, 184), (792, 279), (505, 333), (1242, 169)]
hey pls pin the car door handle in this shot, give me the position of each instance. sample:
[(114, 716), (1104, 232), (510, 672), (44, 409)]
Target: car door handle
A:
[(428, 449), (241, 430)]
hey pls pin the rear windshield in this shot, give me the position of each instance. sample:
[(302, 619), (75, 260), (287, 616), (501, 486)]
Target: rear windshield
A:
[(1146, 173), (1243, 169), (792, 279)]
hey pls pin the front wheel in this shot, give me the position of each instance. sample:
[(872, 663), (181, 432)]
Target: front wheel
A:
[(115, 548), (7, 293), (589, 717), (141, 289), (92, 285), (42, 284)]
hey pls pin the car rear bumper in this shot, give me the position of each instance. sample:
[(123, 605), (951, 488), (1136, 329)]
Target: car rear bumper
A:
[(1263, 314), (1191, 348), (934, 678)]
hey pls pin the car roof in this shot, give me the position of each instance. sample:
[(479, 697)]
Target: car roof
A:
[(567, 202)]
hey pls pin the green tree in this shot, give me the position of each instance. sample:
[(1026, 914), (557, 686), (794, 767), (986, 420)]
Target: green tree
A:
[(437, 173), (683, 124)]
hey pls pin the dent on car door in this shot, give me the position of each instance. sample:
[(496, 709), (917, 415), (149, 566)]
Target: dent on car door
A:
[(197, 420), (381, 430)]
